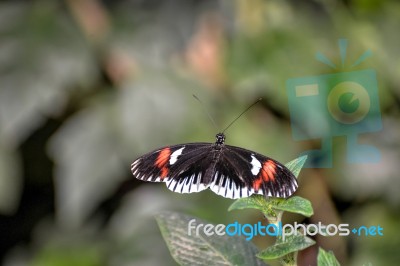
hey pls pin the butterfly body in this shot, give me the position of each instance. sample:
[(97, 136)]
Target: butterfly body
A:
[(229, 171)]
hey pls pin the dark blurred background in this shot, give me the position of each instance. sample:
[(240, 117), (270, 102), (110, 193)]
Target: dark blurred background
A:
[(87, 86)]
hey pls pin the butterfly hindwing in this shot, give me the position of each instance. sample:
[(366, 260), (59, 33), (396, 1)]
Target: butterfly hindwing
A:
[(229, 178), (188, 174)]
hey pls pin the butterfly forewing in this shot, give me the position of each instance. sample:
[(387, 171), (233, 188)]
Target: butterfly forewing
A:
[(180, 166)]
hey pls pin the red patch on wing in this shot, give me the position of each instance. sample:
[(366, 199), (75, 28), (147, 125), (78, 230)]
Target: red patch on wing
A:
[(268, 171), (161, 161), (163, 157), (164, 172), (266, 174), (257, 183)]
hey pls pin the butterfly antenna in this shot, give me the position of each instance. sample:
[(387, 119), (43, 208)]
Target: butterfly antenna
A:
[(248, 108), (206, 111)]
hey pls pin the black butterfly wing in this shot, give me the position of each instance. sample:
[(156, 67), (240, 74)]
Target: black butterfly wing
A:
[(229, 171), (248, 172), (182, 167)]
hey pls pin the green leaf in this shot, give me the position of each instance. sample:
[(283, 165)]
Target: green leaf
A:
[(254, 202), (326, 258), (294, 204), (271, 207), (202, 249), (259, 202), (296, 165), (290, 244)]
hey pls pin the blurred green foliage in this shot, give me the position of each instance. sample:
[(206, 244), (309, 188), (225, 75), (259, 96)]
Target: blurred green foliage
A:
[(87, 86)]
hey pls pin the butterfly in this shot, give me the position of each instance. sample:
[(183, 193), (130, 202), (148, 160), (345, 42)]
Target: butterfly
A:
[(229, 171)]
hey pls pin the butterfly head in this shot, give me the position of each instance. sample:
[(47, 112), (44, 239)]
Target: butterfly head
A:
[(220, 139)]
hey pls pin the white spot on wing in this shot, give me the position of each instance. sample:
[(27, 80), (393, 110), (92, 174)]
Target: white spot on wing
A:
[(256, 165), (174, 156)]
